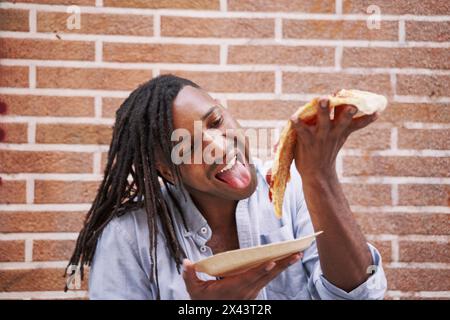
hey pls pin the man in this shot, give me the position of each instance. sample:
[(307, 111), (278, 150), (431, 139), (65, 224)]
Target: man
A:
[(152, 218)]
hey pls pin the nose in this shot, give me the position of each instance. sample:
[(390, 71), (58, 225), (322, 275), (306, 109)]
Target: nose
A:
[(215, 146)]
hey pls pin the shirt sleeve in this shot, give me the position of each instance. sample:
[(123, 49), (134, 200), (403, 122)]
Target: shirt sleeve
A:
[(116, 272), (319, 287)]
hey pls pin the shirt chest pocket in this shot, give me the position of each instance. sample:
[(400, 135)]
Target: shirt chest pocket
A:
[(288, 283)]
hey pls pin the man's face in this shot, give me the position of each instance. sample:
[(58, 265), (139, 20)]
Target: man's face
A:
[(224, 169)]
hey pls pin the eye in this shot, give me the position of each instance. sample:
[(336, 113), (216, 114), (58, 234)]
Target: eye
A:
[(216, 121)]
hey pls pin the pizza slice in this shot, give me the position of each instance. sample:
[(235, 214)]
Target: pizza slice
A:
[(366, 102)]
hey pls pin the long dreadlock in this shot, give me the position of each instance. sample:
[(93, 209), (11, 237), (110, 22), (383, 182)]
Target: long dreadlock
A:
[(143, 124)]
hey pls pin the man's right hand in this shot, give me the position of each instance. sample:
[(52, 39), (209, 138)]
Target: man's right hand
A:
[(243, 286)]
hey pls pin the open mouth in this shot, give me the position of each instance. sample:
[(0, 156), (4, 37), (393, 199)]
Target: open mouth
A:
[(235, 173)]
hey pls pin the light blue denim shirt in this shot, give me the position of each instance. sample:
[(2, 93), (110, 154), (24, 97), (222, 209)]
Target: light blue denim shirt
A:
[(121, 268)]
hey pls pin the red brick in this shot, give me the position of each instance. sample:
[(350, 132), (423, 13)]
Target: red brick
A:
[(12, 76), (165, 4), (73, 133), (14, 20), (117, 24), (110, 106), (262, 109), (427, 31), (46, 49), (385, 249), (412, 279), (369, 138), (325, 6), (403, 223), (423, 85), (422, 112), (14, 132), (338, 30), (52, 250), (424, 251), (45, 162), (424, 139), (419, 7), (12, 251), (396, 166), (35, 280), (31, 105), (47, 191), (326, 83), (424, 195), (12, 191), (368, 194), (37, 221), (230, 81), (429, 58), (281, 55), (156, 53), (217, 27), (78, 78)]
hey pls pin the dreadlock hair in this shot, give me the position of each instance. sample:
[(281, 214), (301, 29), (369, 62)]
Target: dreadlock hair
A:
[(131, 180)]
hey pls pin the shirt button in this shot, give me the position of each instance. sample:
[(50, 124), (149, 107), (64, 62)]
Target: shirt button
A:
[(203, 230), (203, 249)]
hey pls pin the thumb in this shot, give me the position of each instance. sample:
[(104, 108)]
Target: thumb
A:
[(189, 274)]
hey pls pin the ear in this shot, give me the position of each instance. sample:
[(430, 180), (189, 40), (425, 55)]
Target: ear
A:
[(164, 172)]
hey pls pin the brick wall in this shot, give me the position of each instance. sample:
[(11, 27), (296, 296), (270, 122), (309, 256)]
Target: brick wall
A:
[(60, 88)]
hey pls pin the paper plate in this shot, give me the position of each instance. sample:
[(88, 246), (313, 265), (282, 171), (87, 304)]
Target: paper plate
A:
[(237, 261)]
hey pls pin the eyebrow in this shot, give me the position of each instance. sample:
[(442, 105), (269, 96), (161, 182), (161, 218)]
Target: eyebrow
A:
[(210, 111)]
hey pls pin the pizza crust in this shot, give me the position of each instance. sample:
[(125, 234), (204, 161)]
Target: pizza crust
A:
[(366, 102)]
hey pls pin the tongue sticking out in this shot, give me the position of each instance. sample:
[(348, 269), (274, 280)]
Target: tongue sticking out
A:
[(237, 177)]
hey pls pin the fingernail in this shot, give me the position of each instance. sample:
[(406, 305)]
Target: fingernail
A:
[(323, 104), (270, 266), (352, 110)]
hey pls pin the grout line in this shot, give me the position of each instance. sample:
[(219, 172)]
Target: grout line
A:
[(98, 51), (393, 82), (278, 82), (223, 6), (32, 21), (97, 163), (278, 29), (99, 3), (338, 51), (394, 138), (218, 67), (98, 106), (30, 190), (157, 26), (230, 41), (401, 32), (31, 132), (220, 13), (338, 5), (39, 236), (32, 76), (28, 250), (223, 54), (395, 250), (394, 194)]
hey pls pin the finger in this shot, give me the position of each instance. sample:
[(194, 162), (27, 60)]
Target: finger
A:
[(303, 129), (190, 276), (323, 117), (363, 121), (281, 265), (344, 116), (249, 277), (269, 176)]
